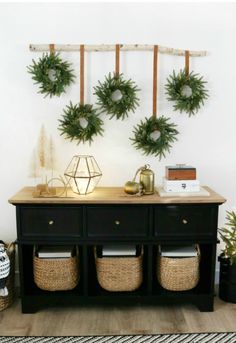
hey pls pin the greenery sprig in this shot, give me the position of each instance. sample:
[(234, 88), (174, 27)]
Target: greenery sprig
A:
[(144, 141), (71, 125), (228, 235), (188, 92), (117, 96), (52, 74)]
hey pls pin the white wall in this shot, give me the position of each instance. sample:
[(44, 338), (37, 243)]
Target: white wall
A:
[(207, 140)]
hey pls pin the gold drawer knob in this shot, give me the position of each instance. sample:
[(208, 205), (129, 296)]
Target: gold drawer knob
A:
[(117, 222), (184, 221), (51, 222)]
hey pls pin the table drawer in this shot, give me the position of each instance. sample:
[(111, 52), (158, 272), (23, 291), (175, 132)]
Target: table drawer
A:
[(117, 221), (184, 221), (65, 221)]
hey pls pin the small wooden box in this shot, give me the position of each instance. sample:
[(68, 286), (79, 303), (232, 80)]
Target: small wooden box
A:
[(180, 172)]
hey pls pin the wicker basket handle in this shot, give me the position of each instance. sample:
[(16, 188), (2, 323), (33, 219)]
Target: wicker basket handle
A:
[(10, 247), (198, 251)]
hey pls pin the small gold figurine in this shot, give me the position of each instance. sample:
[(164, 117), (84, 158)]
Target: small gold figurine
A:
[(145, 184)]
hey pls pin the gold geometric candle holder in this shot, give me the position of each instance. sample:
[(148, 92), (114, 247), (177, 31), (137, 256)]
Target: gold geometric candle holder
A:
[(83, 174)]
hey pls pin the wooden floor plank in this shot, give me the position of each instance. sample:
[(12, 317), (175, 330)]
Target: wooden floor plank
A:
[(114, 321)]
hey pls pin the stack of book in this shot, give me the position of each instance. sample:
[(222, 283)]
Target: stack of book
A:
[(119, 250), (178, 251), (181, 178), (55, 252)]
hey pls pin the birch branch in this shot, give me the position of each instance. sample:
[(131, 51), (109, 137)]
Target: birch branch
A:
[(112, 47)]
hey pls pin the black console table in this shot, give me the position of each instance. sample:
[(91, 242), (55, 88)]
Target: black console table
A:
[(109, 215)]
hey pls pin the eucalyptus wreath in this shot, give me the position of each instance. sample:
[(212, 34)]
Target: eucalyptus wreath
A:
[(117, 96), (188, 92), (52, 74), (81, 123), (145, 140)]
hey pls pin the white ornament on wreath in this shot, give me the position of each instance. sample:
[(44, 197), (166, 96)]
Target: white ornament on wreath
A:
[(83, 122), (186, 91), (116, 95), (52, 75), (155, 135)]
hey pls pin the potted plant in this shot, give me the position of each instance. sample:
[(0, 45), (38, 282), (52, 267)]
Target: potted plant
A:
[(227, 259)]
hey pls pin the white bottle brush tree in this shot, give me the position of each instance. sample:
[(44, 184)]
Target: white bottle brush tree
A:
[(43, 161)]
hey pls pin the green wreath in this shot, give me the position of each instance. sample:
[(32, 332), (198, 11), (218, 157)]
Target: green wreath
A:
[(188, 92), (81, 123), (117, 96), (52, 74), (154, 136)]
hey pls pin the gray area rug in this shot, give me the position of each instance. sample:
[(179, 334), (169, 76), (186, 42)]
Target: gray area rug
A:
[(162, 338)]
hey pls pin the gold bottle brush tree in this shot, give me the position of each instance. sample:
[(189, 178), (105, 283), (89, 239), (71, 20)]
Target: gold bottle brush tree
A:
[(43, 165)]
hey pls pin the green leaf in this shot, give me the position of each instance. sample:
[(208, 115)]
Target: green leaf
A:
[(228, 236)]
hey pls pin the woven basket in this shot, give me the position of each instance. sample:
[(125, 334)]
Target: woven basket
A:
[(178, 274), (8, 300), (60, 274), (119, 274)]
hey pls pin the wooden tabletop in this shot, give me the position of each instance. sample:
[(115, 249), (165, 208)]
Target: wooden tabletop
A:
[(112, 195)]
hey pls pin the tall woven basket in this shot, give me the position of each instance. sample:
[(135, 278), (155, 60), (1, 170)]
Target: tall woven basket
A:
[(56, 274), (119, 274), (8, 300), (178, 274)]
